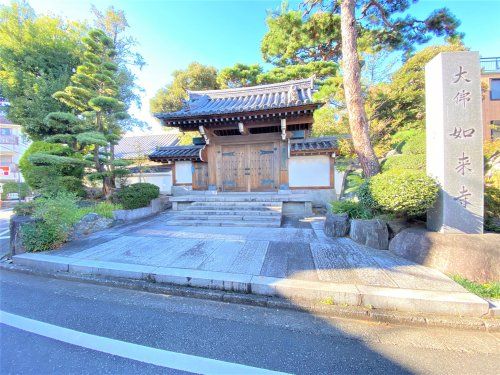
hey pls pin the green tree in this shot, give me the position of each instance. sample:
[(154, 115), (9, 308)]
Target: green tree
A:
[(37, 55), (113, 22), (239, 75), (94, 95), (382, 20), (195, 77), (401, 102)]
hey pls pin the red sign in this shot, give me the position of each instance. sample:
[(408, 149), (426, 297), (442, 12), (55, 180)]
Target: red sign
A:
[(4, 170)]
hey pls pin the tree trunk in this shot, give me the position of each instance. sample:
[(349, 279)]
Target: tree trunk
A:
[(111, 165), (358, 121)]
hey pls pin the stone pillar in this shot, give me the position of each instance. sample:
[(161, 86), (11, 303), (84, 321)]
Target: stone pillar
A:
[(455, 141)]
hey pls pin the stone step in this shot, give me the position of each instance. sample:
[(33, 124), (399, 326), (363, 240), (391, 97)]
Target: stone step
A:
[(224, 223), (241, 198), (261, 218), (229, 212), (237, 204)]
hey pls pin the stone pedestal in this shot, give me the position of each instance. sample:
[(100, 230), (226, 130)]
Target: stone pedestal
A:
[(455, 141)]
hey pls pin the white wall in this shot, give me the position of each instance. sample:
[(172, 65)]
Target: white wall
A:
[(162, 180), (338, 178), (183, 172), (309, 171)]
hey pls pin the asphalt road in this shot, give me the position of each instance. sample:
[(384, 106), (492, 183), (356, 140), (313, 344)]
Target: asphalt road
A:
[(53, 326), (4, 230)]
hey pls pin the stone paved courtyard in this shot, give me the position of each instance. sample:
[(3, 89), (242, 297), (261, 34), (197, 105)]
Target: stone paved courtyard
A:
[(299, 250)]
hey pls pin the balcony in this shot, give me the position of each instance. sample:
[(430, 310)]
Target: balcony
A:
[(490, 64), (9, 140)]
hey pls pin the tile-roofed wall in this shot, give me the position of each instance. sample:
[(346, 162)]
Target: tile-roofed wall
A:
[(130, 147), (314, 144), (245, 99), (176, 153)]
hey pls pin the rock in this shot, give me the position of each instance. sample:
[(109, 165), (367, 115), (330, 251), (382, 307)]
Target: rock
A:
[(16, 245), (473, 256), (396, 226), (391, 153), (337, 225), (90, 223), (372, 233)]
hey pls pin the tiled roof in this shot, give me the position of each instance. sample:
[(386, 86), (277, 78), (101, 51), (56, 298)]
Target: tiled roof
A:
[(143, 145), (176, 153), (313, 144), (245, 99)]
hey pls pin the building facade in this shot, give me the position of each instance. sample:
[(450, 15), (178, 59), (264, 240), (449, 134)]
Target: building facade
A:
[(254, 139), (12, 146), (490, 76)]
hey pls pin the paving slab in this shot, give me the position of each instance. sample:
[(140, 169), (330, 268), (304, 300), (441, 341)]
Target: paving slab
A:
[(296, 263)]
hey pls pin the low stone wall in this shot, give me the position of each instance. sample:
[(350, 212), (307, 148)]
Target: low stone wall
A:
[(473, 256), (156, 205), (16, 222), (319, 197)]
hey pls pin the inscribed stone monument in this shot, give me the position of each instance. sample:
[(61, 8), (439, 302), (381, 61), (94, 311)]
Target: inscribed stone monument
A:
[(455, 141)]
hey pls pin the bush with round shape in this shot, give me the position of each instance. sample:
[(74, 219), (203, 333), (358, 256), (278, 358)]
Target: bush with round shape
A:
[(404, 161), (52, 177), (404, 193), (137, 195), (21, 188)]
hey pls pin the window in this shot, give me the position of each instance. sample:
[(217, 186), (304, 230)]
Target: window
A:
[(495, 89), (5, 131), (5, 160)]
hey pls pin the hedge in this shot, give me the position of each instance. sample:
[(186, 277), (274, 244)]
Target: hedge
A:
[(400, 192), (137, 195)]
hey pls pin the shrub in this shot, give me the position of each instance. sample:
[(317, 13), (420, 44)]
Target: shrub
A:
[(56, 215), (15, 187), (354, 209), (415, 145), (137, 195), (352, 182), (25, 208), (400, 192), (60, 210), (365, 197), (41, 236), (405, 161), (492, 208)]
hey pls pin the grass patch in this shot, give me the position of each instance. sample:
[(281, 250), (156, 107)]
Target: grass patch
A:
[(488, 290), (104, 209)]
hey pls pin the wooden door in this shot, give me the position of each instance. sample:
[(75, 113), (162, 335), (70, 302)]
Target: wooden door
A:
[(200, 176), (233, 171), (263, 161)]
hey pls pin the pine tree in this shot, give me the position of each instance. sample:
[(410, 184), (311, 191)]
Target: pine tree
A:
[(93, 96)]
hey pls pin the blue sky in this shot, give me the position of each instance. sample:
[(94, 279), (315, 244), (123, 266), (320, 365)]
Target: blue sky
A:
[(171, 34)]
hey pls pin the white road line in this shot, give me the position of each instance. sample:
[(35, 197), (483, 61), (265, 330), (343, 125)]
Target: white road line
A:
[(158, 357), (3, 238), (4, 232)]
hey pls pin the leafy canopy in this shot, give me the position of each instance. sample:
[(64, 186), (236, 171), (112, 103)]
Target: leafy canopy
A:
[(37, 55)]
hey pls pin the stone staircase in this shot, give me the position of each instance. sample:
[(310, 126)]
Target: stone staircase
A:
[(237, 212)]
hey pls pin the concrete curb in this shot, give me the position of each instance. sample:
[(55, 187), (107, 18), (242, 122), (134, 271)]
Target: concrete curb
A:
[(305, 292), (318, 308)]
